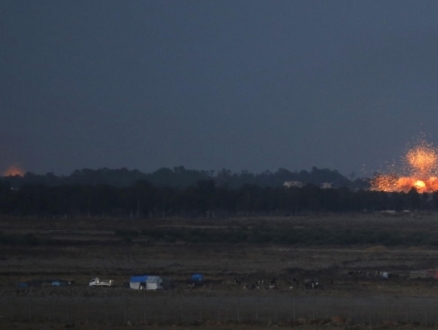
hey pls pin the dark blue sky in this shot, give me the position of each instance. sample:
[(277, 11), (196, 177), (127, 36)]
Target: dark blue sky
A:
[(250, 85)]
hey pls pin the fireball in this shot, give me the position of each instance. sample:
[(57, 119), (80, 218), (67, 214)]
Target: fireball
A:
[(422, 164), (419, 184)]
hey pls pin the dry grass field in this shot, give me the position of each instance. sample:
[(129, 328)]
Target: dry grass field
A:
[(351, 293)]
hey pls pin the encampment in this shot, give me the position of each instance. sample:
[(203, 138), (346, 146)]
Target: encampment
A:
[(39, 283)]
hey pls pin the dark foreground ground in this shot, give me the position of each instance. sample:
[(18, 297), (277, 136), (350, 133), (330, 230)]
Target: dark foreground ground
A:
[(329, 326), (351, 293)]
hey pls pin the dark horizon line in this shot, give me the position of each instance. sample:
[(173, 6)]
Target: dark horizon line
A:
[(24, 173)]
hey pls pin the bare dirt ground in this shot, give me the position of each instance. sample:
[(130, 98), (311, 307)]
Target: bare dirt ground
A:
[(350, 285)]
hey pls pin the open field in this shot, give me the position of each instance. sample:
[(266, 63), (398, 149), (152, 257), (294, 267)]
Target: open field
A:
[(351, 288)]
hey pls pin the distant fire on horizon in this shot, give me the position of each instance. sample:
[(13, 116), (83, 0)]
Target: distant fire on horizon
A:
[(13, 171), (421, 165)]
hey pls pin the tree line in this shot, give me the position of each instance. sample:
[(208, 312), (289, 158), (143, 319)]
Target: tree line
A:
[(180, 177), (204, 199)]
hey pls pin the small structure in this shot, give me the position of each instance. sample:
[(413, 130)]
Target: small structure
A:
[(290, 184), (146, 282), (197, 278), (384, 275), (195, 281), (326, 185)]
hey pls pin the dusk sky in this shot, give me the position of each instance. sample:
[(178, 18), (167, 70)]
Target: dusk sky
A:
[(254, 85)]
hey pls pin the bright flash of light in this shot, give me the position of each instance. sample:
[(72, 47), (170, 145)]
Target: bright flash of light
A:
[(419, 184), (422, 164)]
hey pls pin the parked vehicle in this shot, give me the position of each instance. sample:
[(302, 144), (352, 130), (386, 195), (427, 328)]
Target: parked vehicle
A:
[(98, 282)]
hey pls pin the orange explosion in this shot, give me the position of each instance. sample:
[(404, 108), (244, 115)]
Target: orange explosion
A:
[(422, 165), (13, 171)]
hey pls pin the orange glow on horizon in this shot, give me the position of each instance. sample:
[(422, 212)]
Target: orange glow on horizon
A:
[(13, 171)]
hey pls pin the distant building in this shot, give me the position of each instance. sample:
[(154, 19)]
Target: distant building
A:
[(290, 184)]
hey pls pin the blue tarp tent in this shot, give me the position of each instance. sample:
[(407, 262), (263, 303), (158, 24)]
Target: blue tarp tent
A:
[(136, 279), (197, 278), (145, 282)]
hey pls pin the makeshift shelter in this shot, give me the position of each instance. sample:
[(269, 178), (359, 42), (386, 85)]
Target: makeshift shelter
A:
[(197, 278), (146, 282)]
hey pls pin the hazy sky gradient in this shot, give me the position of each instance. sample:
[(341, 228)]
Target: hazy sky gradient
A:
[(250, 85)]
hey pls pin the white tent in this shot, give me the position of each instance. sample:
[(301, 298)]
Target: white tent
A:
[(146, 282)]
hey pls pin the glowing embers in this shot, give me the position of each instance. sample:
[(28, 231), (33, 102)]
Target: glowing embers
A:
[(422, 159), (421, 163)]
